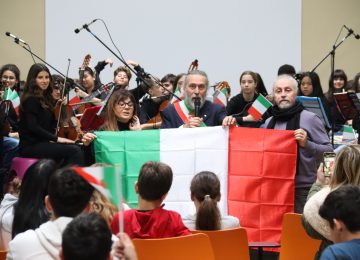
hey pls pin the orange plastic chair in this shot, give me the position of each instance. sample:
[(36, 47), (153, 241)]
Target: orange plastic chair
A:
[(295, 243), (228, 243), (3, 254), (191, 247)]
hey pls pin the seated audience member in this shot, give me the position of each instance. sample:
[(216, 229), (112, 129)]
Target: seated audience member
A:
[(309, 133), (205, 193), (182, 113), (102, 206), (88, 236), (7, 213), (30, 210), (341, 209), (346, 171), (69, 195), (150, 220)]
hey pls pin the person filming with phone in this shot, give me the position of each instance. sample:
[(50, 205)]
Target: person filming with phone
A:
[(346, 171)]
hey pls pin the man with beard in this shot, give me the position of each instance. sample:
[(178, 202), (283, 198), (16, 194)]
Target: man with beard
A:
[(186, 114), (309, 133)]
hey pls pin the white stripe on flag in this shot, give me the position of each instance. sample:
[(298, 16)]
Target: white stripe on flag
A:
[(189, 152)]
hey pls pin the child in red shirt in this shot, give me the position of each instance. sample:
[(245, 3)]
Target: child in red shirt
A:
[(150, 220)]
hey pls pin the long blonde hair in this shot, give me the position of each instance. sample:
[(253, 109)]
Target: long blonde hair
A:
[(101, 205), (347, 167)]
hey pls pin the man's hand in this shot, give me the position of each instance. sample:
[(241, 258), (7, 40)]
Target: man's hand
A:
[(193, 122), (228, 121), (301, 137)]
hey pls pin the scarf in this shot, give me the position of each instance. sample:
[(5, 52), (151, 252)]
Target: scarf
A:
[(290, 115)]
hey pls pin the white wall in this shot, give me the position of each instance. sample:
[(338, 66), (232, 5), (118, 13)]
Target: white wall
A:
[(227, 37)]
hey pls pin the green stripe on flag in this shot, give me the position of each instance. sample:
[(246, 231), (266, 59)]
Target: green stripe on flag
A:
[(112, 178), (140, 147), (266, 103)]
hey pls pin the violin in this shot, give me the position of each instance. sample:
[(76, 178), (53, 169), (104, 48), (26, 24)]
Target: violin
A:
[(85, 64), (194, 65)]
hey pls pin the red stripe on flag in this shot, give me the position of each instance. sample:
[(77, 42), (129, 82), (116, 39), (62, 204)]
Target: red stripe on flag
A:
[(89, 178), (252, 111), (262, 166), (218, 101)]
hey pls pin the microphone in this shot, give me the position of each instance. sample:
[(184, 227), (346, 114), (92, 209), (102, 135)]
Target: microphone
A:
[(197, 104), (17, 39), (85, 26), (351, 31)]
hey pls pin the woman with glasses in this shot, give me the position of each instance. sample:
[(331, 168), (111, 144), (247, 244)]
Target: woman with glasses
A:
[(121, 112)]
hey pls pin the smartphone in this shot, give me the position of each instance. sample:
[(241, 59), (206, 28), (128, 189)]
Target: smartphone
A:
[(329, 161)]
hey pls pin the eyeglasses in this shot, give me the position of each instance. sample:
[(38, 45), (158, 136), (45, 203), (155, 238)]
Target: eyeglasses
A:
[(8, 78), (123, 104), (194, 86)]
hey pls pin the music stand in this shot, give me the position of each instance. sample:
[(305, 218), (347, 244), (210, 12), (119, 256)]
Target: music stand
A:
[(348, 103), (315, 105), (90, 120)]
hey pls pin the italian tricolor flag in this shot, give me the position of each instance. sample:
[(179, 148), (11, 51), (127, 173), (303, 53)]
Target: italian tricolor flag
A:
[(105, 179), (13, 96), (256, 168), (73, 98), (348, 133), (259, 107), (219, 97)]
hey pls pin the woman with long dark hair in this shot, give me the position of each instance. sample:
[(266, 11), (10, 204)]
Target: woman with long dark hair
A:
[(37, 127), (30, 211)]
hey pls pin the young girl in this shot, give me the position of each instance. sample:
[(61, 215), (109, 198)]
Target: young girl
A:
[(205, 193), (38, 123)]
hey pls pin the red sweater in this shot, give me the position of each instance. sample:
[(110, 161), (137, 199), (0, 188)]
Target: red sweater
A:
[(157, 223)]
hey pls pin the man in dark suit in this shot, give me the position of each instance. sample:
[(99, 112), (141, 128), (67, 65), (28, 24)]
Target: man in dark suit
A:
[(188, 114)]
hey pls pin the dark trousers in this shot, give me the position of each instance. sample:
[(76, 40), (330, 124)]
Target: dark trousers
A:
[(68, 154), (300, 199)]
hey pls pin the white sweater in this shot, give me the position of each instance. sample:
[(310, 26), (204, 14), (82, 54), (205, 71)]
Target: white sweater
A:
[(6, 219)]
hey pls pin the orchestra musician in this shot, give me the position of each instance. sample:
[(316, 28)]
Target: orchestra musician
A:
[(37, 126), (239, 104), (183, 113)]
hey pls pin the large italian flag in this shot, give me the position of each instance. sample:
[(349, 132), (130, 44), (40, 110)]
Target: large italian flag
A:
[(256, 168)]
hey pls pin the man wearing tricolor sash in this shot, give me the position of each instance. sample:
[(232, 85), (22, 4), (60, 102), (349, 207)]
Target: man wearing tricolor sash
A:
[(184, 113), (309, 132)]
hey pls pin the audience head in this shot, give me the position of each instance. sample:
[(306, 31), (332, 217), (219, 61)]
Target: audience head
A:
[(341, 209), (310, 85), (120, 108), (102, 206), (87, 236), (122, 76), (284, 89), (248, 82), (347, 167), (10, 76), (30, 211), (196, 84), (69, 193), (337, 81), (286, 69), (205, 192), (154, 181)]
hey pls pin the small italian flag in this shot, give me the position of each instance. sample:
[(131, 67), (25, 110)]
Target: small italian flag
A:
[(174, 98), (348, 133), (73, 98), (259, 107), (219, 97), (106, 180), (13, 96)]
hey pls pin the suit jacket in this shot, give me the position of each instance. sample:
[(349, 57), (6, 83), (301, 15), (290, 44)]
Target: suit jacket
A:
[(212, 114)]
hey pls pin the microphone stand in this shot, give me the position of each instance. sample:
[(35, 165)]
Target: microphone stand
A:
[(138, 75), (332, 53), (43, 61)]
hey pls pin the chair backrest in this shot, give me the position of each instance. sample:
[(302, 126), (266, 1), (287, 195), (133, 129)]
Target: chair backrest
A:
[(3, 254), (228, 243), (295, 243), (192, 247)]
